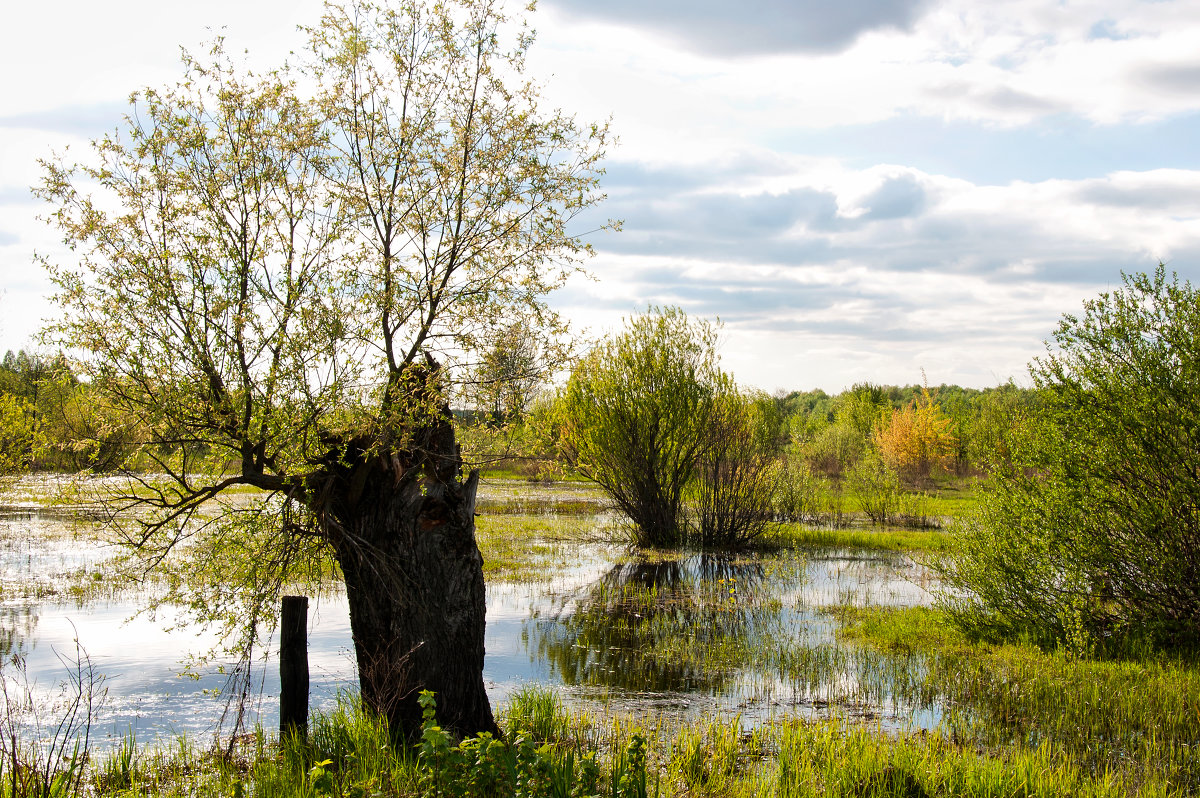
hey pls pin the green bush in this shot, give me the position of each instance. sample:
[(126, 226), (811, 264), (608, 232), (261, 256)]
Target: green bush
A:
[(876, 486), (634, 416), (1090, 537), (800, 496), (650, 417), (737, 472)]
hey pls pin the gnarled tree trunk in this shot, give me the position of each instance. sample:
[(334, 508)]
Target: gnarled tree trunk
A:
[(414, 579)]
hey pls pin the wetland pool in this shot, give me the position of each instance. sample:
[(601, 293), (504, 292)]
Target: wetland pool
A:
[(676, 636)]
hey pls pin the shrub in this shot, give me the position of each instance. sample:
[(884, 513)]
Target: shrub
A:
[(1093, 530), (800, 494), (877, 488), (737, 472), (635, 415)]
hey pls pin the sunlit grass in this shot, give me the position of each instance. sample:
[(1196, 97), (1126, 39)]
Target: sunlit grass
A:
[(890, 539), (531, 548), (1140, 718)]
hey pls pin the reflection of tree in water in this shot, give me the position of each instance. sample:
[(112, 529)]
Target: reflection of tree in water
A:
[(680, 625), (17, 625)]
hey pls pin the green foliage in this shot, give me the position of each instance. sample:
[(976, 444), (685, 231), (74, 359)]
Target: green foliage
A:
[(876, 486), (737, 472), (834, 449), (836, 760), (683, 453), (833, 433), (21, 436), (985, 423), (483, 767), (77, 429), (1091, 537), (525, 444), (801, 495), (635, 417), (882, 498)]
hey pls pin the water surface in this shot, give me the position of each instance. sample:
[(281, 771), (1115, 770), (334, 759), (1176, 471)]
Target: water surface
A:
[(678, 636)]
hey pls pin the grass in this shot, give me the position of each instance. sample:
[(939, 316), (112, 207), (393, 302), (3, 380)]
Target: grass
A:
[(348, 754), (1008, 719), (1137, 718), (532, 548), (954, 497), (891, 539)]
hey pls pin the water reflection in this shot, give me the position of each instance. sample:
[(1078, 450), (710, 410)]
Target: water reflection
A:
[(684, 635), (654, 625), (17, 625)]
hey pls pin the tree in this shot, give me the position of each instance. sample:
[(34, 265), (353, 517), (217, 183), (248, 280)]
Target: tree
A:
[(20, 435), (1091, 535), (508, 375), (738, 469), (916, 439), (280, 285), (635, 416)]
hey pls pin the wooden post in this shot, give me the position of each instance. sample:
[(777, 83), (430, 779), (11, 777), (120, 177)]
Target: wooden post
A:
[(293, 667)]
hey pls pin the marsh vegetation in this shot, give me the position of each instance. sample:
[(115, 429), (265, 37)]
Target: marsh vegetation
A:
[(817, 663), (303, 323)]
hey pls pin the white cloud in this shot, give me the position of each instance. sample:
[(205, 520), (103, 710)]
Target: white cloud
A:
[(961, 279), (1001, 64), (826, 269)]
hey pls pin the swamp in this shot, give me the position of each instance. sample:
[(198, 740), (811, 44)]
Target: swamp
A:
[(816, 663)]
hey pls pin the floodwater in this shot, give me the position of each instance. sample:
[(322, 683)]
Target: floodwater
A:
[(680, 637)]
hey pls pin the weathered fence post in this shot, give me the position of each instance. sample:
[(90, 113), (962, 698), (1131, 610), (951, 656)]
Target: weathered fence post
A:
[(293, 667)]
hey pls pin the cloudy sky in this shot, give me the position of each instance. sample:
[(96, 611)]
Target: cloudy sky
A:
[(859, 190)]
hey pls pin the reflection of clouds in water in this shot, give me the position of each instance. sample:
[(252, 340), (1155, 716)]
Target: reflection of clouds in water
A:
[(863, 578), (682, 636), (141, 658)]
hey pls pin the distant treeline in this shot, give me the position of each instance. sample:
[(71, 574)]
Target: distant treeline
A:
[(50, 420), (913, 431), (919, 430)]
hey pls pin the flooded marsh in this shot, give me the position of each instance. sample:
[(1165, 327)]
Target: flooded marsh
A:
[(745, 653)]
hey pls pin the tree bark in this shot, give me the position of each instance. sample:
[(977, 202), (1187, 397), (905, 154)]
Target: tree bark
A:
[(414, 580)]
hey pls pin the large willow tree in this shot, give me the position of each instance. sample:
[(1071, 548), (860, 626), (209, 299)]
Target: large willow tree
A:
[(281, 273)]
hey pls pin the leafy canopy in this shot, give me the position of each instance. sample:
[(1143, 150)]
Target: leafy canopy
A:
[(1091, 537), (276, 273)]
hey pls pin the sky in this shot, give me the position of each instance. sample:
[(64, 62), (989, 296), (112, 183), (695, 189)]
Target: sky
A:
[(861, 190)]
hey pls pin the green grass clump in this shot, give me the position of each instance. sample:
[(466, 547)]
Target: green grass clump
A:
[(1137, 718), (890, 539), (525, 548), (539, 713), (834, 760)]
